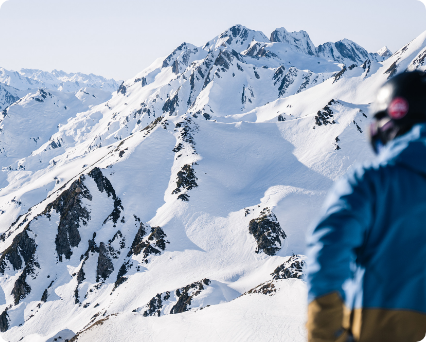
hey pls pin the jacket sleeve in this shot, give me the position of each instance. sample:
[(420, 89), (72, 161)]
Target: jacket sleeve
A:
[(331, 251)]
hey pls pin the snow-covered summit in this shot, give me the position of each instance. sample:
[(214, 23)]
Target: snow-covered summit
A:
[(344, 51), (237, 37), (384, 52), (299, 40)]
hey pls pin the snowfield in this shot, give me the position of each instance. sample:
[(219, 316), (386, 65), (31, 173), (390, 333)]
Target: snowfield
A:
[(175, 206)]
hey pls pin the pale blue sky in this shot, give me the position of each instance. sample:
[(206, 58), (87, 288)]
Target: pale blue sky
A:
[(119, 38)]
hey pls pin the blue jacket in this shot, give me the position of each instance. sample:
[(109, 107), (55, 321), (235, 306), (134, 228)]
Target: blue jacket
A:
[(369, 245)]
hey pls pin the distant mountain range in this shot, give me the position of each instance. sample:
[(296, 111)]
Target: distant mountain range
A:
[(16, 84), (174, 205)]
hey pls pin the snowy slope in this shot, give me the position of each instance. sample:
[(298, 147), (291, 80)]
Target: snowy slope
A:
[(9, 95), (182, 195)]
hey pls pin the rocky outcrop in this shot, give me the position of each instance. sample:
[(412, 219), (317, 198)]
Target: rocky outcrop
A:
[(72, 215), (392, 70), (292, 268), (175, 67), (287, 81), (4, 321), (367, 67), (340, 74), (122, 89), (21, 289), (267, 232), (247, 95), (154, 244), (104, 185), (186, 180), (278, 74), (181, 299), (19, 253), (267, 288), (223, 60), (105, 266), (418, 62), (325, 116), (171, 103)]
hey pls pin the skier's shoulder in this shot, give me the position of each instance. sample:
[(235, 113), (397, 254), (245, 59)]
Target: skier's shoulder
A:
[(368, 171)]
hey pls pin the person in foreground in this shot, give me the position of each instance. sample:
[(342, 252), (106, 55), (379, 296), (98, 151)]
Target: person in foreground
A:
[(366, 267)]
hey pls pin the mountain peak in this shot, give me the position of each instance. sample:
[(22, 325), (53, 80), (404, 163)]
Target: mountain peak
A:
[(237, 37), (300, 40), (384, 52), (344, 51)]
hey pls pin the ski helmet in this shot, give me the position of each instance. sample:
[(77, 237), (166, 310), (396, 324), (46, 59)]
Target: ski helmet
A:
[(400, 104)]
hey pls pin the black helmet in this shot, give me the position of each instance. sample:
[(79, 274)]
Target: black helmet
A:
[(400, 104)]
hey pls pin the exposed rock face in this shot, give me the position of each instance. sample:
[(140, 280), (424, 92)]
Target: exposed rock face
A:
[(154, 244), (267, 288), (21, 289), (105, 266), (181, 298), (22, 249), (137, 242), (340, 74), (4, 321), (325, 116), (21, 253), (392, 70), (122, 89), (72, 213), (267, 232), (292, 268), (186, 180), (418, 62), (44, 296), (151, 245), (153, 308), (278, 74), (175, 67), (367, 67), (223, 60), (287, 81), (172, 103), (105, 185)]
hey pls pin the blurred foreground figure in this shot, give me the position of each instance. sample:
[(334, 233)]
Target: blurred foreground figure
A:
[(366, 269)]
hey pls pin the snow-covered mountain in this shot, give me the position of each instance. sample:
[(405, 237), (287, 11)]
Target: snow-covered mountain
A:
[(384, 52), (182, 200)]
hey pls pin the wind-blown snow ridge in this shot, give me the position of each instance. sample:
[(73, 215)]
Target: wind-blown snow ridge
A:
[(190, 185)]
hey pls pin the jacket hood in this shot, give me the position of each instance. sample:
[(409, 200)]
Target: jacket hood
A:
[(408, 150)]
